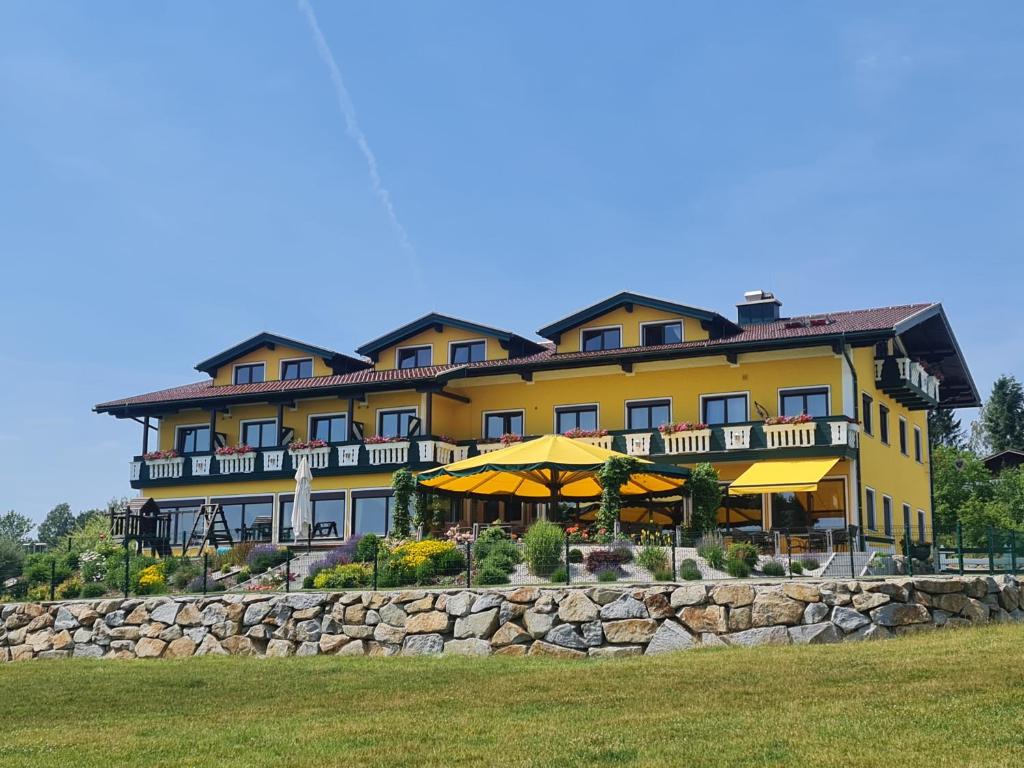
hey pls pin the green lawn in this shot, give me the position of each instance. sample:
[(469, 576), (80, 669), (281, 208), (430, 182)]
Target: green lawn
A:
[(940, 699)]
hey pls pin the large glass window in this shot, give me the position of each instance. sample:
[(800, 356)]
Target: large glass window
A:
[(866, 414), (662, 333), (570, 417), (248, 519), (503, 423), (414, 357), (813, 402), (331, 429), (193, 439), (819, 509), (395, 423), (249, 374), (468, 352), (328, 516), (183, 517), (648, 414), (724, 409), (297, 369), (741, 513), (601, 338), (371, 514), (869, 507), (883, 423), (260, 434), (887, 514)]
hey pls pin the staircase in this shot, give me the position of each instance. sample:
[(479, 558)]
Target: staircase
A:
[(838, 567)]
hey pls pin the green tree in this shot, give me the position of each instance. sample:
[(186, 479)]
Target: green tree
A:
[(15, 527), (706, 498), (612, 476), (1002, 418), (403, 484), (960, 478), (57, 525), (944, 428)]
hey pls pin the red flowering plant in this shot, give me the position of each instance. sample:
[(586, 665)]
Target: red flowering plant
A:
[(508, 438), (577, 432), (157, 455), (803, 418), (235, 450), (378, 439), (305, 445), (673, 427), (577, 534), (445, 439)]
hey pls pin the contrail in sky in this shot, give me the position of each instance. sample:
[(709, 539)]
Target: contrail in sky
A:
[(353, 130)]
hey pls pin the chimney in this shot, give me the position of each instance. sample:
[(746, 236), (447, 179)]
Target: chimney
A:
[(758, 307)]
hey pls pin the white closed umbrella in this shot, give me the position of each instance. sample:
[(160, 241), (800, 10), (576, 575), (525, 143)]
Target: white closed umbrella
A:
[(302, 505)]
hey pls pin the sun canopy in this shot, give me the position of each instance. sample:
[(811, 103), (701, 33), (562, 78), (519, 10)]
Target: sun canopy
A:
[(782, 476), (632, 515), (549, 466)]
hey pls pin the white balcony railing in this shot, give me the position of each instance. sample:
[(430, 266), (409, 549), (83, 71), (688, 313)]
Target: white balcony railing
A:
[(201, 465), (638, 443), (489, 447), (273, 461), (348, 455), (134, 471), (843, 433), (165, 469), (601, 441), (693, 441), (388, 453), (736, 437), (913, 373), (441, 452), (236, 464), (789, 435), (317, 457)]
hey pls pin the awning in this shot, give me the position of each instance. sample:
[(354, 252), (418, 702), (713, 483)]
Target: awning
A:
[(782, 476)]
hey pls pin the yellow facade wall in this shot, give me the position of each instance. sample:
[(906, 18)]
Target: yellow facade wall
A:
[(272, 359), (630, 323), (439, 343)]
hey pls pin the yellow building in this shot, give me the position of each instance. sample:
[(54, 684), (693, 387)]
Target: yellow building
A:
[(758, 397)]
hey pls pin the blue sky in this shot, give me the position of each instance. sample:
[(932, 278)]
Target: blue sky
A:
[(176, 176)]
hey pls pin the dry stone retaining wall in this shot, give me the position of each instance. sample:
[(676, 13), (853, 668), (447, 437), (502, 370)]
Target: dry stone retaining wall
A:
[(572, 623)]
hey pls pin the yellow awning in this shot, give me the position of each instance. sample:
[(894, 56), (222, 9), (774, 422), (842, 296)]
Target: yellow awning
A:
[(782, 476)]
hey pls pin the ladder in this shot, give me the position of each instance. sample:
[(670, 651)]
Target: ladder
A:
[(217, 530)]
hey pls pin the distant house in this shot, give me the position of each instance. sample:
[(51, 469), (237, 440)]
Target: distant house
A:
[(1007, 459)]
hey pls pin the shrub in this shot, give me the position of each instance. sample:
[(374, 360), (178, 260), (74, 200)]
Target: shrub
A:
[(366, 548), (342, 577), (238, 554), (243, 574), (92, 590), (773, 568), (151, 580), (394, 573), (543, 544), (608, 574), (737, 568), (450, 562), (745, 551), (196, 585), (664, 574), (491, 574), (598, 559), (307, 583), (711, 548), (499, 559), (652, 559), (416, 553), (689, 571), (490, 538), (426, 572), (809, 564), (559, 575), (795, 568), (624, 549), (575, 556), (37, 567), (263, 557), (69, 589), (12, 559), (333, 557)]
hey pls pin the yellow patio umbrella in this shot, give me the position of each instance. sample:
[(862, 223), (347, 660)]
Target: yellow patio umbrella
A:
[(546, 469), (632, 515)]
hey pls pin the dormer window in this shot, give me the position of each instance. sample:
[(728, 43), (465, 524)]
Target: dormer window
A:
[(252, 373), (467, 352), (414, 357), (596, 339), (655, 334), (297, 369)]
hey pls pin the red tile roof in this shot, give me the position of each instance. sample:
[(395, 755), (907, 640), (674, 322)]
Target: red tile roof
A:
[(807, 326)]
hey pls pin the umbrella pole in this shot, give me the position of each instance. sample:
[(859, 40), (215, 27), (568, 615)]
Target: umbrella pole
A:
[(553, 505)]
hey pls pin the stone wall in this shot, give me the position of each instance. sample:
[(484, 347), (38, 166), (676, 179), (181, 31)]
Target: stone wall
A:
[(574, 623)]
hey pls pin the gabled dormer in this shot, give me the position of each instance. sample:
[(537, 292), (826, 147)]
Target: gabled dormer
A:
[(269, 357), (437, 339), (633, 320)]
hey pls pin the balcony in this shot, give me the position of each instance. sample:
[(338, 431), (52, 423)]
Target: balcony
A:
[(907, 382)]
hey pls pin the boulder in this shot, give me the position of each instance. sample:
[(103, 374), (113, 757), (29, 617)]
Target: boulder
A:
[(308, 649), (895, 590), (393, 614), (670, 636), (711, 640), (868, 601), (688, 594), (734, 595), (739, 618), (630, 631), (487, 601), (814, 634), (423, 604), (815, 612), (523, 595), (615, 651), (280, 648), (899, 614), (658, 606), (577, 607), (65, 620), (708, 618), (149, 648), (427, 622), (42, 621), (385, 633), (510, 633), (357, 631), (974, 610), (1009, 597), (510, 612), (541, 648), (938, 586), (625, 607), (848, 619), (772, 607), (355, 614), (477, 624), (511, 650), (308, 631), (799, 590), (423, 645), (410, 595), (256, 613), (331, 643), (469, 647), (352, 648), (62, 641), (210, 647), (214, 613), (460, 604), (165, 613), (538, 624), (593, 634), (605, 595), (87, 651), (237, 645), (566, 636), (869, 632), (300, 601), (181, 648), (759, 636), (114, 618)]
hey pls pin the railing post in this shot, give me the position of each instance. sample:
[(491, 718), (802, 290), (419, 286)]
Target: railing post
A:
[(1013, 552), (469, 564), (206, 570), (789, 552), (991, 553), (674, 570), (184, 544), (849, 546), (376, 561), (908, 550), (288, 573), (53, 578), (126, 559), (960, 545), (568, 565)]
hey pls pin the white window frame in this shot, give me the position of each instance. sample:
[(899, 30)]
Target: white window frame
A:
[(918, 444), (398, 352), (901, 430), (309, 422), (485, 414), (236, 366), (701, 398), (848, 507), (682, 329), (602, 328), (350, 508), (554, 413), (394, 409), (638, 401), (279, 500), (454, 342), (241, 431), (190, 426), (784, 390), (283, 360)]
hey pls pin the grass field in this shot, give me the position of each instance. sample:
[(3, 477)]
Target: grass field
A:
[(939, 699)]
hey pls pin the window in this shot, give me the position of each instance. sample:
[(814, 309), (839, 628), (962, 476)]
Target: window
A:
[(395, 423), (813, 402), (575, 417), (327, 508), (467, 352), (921, 532), (648, 414), (371, 512), (251, 516), (414, 357), (918, 447), (866, 414), (661, 333), (249, 374), (741, 513), (503, 423), (260, 434), (906, 518), (297, 369), (869, 507), (183, 517), (724, 409), (600, 338), (811, 510), (887, 514), (903, 435), (883, 423), (194, 439), (332, 428)]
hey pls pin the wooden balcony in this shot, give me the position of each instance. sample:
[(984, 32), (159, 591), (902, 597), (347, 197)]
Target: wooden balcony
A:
[(907, 382)]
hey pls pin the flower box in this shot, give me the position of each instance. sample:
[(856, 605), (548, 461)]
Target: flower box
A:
[(318, 457)]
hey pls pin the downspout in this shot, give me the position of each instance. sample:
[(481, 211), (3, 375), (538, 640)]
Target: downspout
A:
[(856, 418)]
